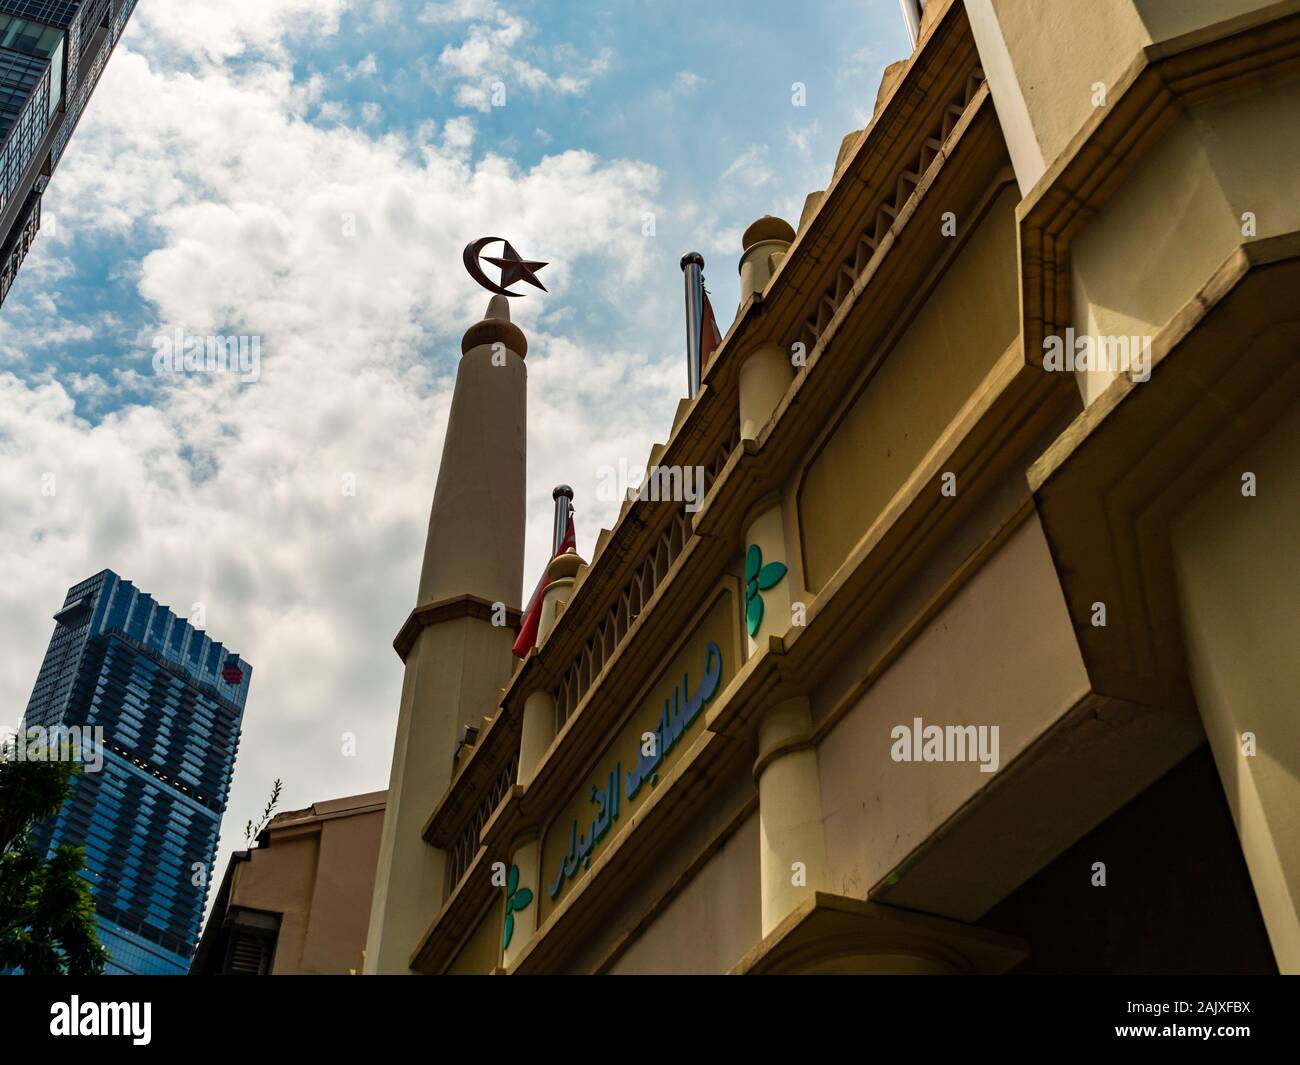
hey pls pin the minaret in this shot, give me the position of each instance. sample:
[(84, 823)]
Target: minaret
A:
[(455, 644)]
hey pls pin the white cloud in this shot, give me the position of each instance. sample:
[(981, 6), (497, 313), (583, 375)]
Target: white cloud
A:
[(496, 49), (453, 11), (801, 139), (685, 82), (367, 67), (230, 494), (233, 27), (749, 167)]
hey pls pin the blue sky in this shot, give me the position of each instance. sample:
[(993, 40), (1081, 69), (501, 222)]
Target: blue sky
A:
[(307, 172)]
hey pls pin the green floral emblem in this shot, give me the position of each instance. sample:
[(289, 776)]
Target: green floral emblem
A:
[(758, 578), (517, 898)]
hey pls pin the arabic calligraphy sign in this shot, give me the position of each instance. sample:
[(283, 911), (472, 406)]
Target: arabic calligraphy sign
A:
[(666, 722)]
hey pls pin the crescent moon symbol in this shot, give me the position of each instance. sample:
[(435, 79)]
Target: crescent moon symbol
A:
[(472, 251)]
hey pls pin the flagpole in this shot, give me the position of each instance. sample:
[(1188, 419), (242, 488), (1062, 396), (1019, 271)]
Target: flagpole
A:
[(693, 274), (531, 618), (912, 17)]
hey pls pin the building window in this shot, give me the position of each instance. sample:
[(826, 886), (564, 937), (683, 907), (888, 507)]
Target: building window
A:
[(30, 38)]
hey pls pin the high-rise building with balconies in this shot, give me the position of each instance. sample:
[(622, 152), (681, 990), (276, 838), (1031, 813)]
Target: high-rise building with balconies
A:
[(170, 702), (52, 53)]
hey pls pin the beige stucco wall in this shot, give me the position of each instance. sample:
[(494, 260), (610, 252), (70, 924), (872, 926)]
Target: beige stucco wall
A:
[(717, 625), (453, 673), (966, 323), (1044, 57), (481, 952), (1239, 583), (712, 922), (1001, 653), (345, 877), (1179, 214), (280, 879), (622, 944), (1170, 18), (319, 878)]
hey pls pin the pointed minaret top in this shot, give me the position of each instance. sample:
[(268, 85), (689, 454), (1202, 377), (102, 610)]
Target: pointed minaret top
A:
[(495, 327)]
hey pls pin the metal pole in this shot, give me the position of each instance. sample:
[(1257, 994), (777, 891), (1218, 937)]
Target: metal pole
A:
[(912, 16), (693, 273), (563, 496)]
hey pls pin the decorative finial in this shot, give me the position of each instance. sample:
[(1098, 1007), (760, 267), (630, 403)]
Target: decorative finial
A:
[(513, 266)]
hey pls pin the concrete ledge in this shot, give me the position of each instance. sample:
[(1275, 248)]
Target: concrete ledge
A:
[(837, 934), (462, 606)]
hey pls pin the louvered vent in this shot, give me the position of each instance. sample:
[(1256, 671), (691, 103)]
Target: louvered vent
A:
[(249, 955)]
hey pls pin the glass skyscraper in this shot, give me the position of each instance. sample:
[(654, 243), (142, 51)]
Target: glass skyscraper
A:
[(52, 53), (170, 701)]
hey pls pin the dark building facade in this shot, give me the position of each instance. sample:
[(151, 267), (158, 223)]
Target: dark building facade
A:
[(170, 701), (52, 53)]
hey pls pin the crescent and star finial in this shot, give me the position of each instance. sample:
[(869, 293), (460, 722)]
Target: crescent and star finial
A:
[(513, 267)]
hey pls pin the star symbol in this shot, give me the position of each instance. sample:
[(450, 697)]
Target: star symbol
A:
[(513, 268)]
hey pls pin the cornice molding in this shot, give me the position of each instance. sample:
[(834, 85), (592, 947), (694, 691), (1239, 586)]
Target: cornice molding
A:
[(826, 926), (1223, 370), (1145, 99), (461, 606)]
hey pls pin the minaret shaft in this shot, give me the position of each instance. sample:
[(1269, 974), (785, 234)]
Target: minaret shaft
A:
[(476, 526), (458, 659)]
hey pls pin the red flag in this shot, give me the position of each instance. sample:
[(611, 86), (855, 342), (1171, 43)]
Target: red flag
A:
[(710, 338), (527, 637)]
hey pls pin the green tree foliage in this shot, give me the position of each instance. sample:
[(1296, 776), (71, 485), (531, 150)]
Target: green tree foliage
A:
[(47, 918)]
